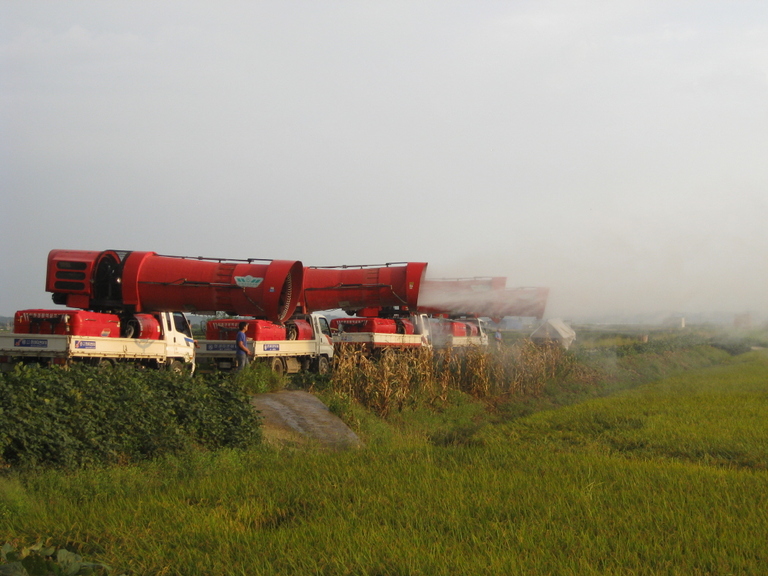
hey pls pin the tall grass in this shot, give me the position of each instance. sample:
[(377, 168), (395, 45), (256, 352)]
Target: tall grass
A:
[(714, 416)]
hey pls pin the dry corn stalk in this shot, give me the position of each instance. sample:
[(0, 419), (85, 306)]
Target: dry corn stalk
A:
[(387, 381)]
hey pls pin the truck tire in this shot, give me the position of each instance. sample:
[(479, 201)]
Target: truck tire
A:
[(129, 328), (103, 363), (277, 366), (323, 365), (176, 366)]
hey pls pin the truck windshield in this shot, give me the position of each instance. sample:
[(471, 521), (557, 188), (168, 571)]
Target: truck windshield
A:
[(181, 324), (324, 328)]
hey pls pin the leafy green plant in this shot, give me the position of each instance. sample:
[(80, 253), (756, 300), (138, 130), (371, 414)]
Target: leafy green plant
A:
[(42, 560), (733, 346), (82, 416)]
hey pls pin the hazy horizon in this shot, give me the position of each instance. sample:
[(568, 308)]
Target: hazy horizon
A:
[(614, 153)]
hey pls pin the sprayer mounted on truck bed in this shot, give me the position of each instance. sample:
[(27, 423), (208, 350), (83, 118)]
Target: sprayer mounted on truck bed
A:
[(128, 305), (303, 343), (62, 337)]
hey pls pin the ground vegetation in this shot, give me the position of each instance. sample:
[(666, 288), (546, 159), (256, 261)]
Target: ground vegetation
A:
[(612, 458)]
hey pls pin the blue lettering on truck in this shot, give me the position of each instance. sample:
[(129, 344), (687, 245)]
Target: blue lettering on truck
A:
[(271, 347), (30, 343), (85, 344), (220, 347)]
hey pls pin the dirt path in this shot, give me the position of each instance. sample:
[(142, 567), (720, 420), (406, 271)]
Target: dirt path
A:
[(295, 417)]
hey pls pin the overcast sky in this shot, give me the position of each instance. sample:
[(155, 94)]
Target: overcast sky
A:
[(616, 152)]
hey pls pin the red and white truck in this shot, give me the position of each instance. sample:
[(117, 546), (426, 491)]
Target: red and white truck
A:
[(457, 306), (380, 302), (129, 306), (132, 308), (63, 337), (300, 344), (458, 332), (376, 333)]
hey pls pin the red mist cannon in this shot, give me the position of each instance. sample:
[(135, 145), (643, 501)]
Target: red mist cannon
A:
[(355, 288), (481, 297), (458, 296), (122, 281)]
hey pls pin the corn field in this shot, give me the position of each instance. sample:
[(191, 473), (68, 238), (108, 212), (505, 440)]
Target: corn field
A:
[(392, 379)]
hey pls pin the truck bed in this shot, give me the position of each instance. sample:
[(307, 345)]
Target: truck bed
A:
[(462, 341), (54, 346), (260, 348), (377, 339)]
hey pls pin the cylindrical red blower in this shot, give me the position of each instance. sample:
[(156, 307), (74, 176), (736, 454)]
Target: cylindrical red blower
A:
[(149, 282), (481, 297), (459, 296), (353, 288)]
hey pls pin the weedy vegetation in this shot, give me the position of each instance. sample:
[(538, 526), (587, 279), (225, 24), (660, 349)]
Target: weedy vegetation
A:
[(612, 458), (394, 380), (84, 416)]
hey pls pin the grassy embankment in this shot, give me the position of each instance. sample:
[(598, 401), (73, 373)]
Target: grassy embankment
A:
[(668, 477)]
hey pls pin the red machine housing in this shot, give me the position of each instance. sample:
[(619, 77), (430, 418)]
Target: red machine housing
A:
[(298, 329), (66, 322), (376, 325), (148, 282), (72, 272), (226, 329), (353, 288), (405, 326), (144, 326), (455, 328)]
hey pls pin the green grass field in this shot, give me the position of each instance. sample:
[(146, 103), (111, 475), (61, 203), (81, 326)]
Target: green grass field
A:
[(669, 477)]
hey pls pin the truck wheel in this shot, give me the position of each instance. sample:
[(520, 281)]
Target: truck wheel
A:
[(129, 329), (104, 363), (277, 366), (323, 366), (176, 366)]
